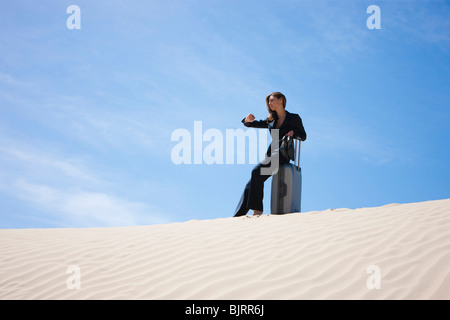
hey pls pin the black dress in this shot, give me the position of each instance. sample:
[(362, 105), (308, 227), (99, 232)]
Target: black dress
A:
[(252, 197)]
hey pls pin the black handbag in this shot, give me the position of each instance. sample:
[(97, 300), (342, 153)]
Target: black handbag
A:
[(287, 149)]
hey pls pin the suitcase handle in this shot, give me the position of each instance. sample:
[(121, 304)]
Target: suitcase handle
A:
[(297, 147)]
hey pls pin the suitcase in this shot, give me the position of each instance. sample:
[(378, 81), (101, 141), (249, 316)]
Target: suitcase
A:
[(287, 186)]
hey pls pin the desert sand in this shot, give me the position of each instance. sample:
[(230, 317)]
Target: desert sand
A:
[(397, 251)]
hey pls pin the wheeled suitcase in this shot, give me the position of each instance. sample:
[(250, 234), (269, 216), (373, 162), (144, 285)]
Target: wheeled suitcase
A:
[(287, 186)]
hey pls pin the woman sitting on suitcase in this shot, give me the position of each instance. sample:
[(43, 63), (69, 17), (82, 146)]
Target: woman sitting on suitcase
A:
[(288, 124)]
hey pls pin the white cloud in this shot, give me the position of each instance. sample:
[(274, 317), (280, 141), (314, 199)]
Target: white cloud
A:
[(67, 192), (84, 208), (45, 165), (93, 119)]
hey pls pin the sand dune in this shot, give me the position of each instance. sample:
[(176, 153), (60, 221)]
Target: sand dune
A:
[(398, 251)]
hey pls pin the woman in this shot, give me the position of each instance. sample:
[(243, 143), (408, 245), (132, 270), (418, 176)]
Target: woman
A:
[(288, 124)]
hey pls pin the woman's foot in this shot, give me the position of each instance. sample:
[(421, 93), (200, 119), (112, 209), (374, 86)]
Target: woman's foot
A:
[(257, 212)]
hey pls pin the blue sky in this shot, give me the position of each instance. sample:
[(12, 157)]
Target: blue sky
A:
[(86, 116)]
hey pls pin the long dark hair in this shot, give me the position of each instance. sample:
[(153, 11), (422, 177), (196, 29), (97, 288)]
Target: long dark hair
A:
[(273, 114)]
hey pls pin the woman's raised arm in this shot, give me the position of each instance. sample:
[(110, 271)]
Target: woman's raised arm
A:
[(249, 121)]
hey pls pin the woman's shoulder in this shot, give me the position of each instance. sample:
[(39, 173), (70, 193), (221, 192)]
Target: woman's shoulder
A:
[(292, 115)]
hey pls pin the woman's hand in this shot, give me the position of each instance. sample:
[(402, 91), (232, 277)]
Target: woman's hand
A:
[(249, 118), (290, 133)]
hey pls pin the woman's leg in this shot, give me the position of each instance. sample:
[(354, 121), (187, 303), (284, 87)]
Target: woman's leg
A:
[(242, 209), (256, 190), (252, 197)]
